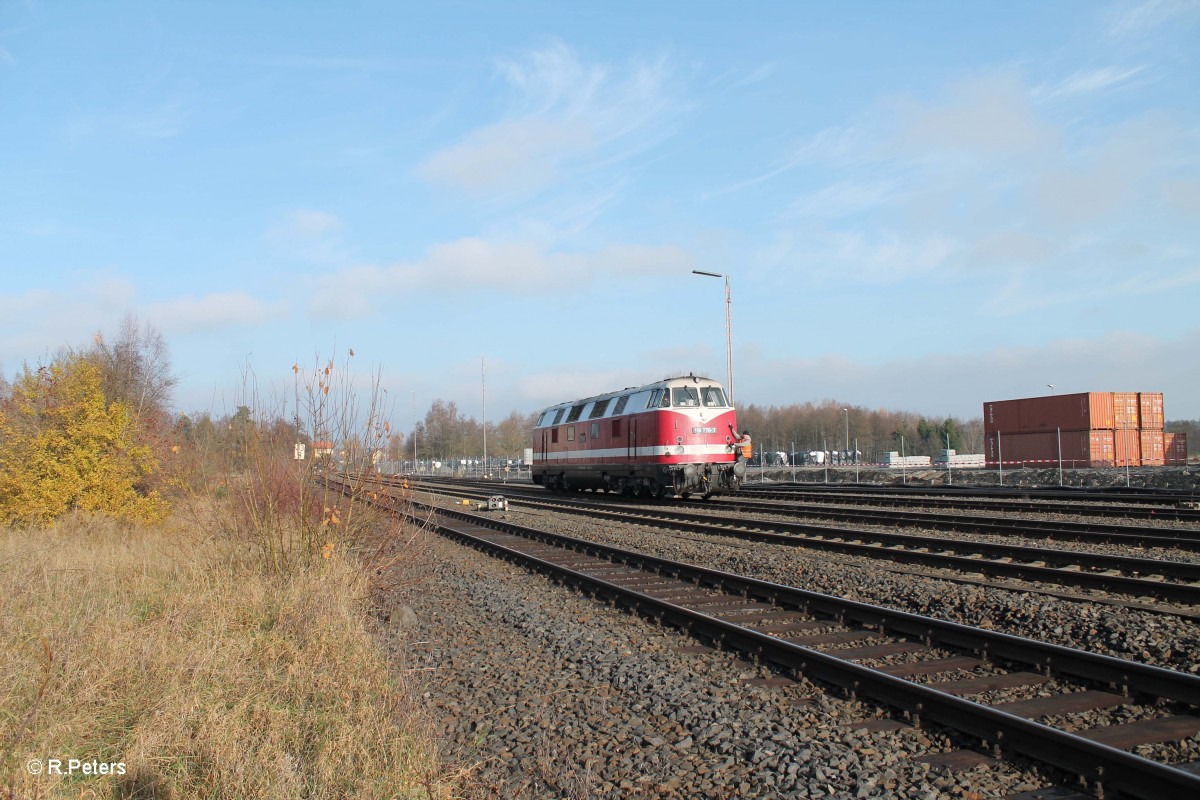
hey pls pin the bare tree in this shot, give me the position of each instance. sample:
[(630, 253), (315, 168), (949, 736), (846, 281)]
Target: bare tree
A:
[(135, 368)]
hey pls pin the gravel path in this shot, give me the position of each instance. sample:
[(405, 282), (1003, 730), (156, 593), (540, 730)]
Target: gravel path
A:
[(539, 692)]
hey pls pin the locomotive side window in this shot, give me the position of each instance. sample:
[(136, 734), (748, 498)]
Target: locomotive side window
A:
[(570, 433), (685, 397), (616, 428), (554, 436), (653, 401), (620, 407), (713, 397), (598, 409), (557, 417), (576, 412), (665, 402), (595, 430)]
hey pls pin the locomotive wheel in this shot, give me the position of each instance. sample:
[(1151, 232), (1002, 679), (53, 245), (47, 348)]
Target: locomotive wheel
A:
[(657, 490)]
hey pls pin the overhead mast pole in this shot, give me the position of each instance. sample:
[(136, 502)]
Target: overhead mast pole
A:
[(483, 387)]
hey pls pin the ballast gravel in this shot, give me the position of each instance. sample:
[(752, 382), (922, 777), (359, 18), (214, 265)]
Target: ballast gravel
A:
[(537, 691)]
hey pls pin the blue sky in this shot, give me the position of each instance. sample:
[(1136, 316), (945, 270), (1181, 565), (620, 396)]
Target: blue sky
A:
[(921, 205)]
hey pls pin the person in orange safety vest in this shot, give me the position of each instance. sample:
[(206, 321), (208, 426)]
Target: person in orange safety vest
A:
[(742, 443)]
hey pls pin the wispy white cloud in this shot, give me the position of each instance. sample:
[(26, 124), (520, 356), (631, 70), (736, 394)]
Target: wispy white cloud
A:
[(209, 312), (1024, 295), (986, 116), (307, 223), (1086, 82), (40, 321), (1128, 20), (741, 77), (513, 155), (885, 256), (841, 199), (1183, 197), (838, 146), (309, 234), (352, 63), (475, 264), (565, 118), (163, 121)]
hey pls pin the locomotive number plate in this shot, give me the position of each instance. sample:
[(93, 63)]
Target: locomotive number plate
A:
[(704, 430)]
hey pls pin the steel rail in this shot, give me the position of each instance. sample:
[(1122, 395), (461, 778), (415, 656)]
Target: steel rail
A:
[(1143, 512), (1118, 494)]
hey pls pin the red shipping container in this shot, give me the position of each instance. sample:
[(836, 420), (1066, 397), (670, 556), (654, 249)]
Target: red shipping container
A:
[(1175, 449), (1127, 445), (1150, 411), (1152, 448), (1079, 449), (1125, 410), (1069, 412), (1001, 415)]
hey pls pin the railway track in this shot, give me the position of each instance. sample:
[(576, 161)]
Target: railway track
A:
[(1061, 530), (926, 670), (1175, 506), (1175, 581)]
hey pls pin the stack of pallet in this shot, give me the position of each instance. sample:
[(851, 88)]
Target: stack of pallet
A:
[(1088, 429)]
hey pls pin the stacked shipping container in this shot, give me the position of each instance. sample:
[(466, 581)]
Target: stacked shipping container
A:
[(1088, 429), (1175, 449)]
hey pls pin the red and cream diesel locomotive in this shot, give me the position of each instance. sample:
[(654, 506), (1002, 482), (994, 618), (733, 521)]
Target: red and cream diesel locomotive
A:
[(677, 435)]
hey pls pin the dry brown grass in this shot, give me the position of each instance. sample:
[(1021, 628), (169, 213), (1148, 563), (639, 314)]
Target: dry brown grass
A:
[(205, 675)]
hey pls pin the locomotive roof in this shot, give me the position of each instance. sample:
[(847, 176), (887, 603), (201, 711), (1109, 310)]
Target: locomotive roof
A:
[(671, 381)]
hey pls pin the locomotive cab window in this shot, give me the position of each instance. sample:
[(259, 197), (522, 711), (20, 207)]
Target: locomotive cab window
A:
[(713, 397), (685, 397), (665, 402), (653, 401)]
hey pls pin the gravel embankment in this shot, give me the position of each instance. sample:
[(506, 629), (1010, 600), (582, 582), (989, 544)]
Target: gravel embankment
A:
[(541, 692)]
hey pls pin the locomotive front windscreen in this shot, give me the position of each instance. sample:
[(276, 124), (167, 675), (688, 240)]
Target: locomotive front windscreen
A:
[(713, 397), (685, 397)]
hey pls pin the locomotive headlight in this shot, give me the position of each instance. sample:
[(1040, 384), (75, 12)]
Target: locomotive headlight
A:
[(679, 450), (728, 448)]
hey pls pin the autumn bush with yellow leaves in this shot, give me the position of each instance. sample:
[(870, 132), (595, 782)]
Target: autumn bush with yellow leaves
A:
[(64, 447)]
